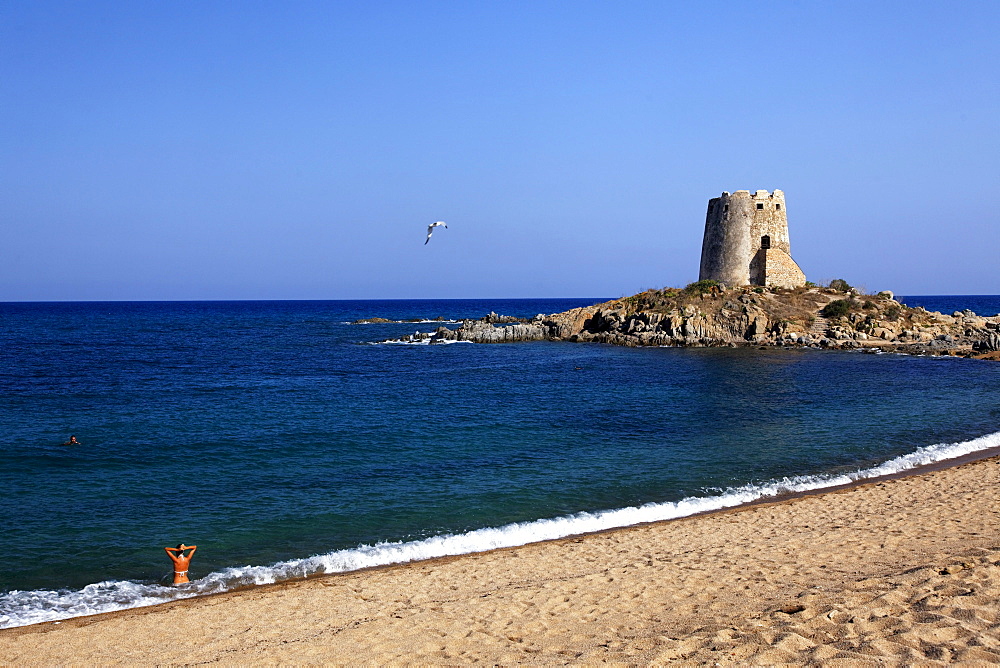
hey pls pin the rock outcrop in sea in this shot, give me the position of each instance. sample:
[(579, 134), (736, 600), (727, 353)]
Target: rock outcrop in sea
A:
[(704, 314)]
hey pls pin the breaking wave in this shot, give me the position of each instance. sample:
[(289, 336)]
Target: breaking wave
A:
[(413, 341), (434, 321), (19, 608)]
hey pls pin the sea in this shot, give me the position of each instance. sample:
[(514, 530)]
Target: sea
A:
[(285, 441)]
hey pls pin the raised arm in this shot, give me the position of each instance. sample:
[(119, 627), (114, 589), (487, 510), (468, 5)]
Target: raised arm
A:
[(179, 551)]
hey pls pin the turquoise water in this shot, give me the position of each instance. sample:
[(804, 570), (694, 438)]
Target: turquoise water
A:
[(283, 441)]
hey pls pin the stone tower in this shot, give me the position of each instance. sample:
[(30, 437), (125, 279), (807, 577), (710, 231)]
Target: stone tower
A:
[(746, 241)]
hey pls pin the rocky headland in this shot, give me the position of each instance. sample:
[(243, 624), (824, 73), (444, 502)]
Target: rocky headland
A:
[(382, 321), (707, 314)]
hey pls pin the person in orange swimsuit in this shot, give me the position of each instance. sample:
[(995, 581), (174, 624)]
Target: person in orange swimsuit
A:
[(181, 562)]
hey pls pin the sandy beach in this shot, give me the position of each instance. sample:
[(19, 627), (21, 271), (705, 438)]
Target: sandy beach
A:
[(897, 571)]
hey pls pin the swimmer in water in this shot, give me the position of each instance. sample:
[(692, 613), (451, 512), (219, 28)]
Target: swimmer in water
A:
[(181, 562), (72, 441)]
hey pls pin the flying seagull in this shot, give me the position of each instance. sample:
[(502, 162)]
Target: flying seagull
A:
[(430, 229)]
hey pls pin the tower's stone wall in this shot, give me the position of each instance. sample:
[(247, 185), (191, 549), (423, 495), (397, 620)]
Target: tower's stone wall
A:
[(770, 219), (775, 267), (725, 250), (746, 241)]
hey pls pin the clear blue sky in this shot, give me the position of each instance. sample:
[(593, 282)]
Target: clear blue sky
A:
[(297, 150)]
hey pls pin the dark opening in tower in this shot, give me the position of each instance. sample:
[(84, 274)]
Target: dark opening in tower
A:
[(765, 242)]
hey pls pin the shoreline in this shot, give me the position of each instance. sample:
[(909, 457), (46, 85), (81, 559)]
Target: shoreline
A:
[(763, 496), (35, 642)]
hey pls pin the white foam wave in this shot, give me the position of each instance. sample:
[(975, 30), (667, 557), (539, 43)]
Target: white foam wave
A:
[(405, 322), (19, 608), (416, 342)]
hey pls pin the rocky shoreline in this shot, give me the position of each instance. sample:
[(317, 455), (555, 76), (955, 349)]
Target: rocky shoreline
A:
[(707, 315), (383, 321)]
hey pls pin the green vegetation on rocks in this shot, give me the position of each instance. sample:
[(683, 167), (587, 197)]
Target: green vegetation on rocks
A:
[(838, 308), (702, 287)]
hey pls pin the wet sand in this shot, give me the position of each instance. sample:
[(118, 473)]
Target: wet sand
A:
[(898, 571)]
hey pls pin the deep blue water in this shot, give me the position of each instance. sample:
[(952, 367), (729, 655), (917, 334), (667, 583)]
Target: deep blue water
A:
[(271, 431), (985, 305)]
